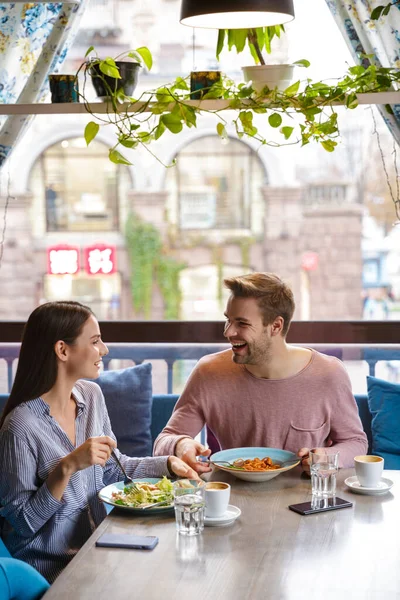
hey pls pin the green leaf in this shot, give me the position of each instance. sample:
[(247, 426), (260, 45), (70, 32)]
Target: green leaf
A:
[(91, 130), (287, 132), (389, 109), (222, 131), (302, 63), (108, 67), (146, 56), (351, 101), (172, 123), (164, 95), (275, 120), (160, 130), (145, 136), (180, 84), (89, 50), (127, 142), (329, 145), (220, 42), (240, 37), (292, 89), (376, 13), (268, 37), (386, 9), (117, 158)]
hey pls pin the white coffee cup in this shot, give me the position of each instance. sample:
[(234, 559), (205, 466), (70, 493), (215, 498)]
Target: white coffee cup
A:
[(369, 469), (217, 498)]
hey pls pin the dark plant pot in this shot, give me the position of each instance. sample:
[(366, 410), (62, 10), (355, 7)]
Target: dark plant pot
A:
[(64, 88), (201, 82), (129, 72)]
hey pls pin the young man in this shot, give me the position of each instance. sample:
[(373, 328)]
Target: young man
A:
[(263, 391)]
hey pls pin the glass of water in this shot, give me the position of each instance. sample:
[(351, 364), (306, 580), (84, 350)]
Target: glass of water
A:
[(189, 504), (323, 468)]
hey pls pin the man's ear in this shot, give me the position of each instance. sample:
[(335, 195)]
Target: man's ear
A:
[(61, 350), (277, 326)]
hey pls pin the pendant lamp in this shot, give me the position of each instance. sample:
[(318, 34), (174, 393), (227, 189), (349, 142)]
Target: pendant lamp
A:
[(236, 14)]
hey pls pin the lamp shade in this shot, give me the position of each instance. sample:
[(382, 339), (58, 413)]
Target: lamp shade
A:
[(235, 14)]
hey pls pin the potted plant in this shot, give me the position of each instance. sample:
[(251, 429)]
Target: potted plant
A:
[(116, 77), (260, 74)]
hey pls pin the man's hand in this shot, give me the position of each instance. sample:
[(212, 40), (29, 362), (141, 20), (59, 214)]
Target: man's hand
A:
[(304, 454), (188, 449), (180, 468)]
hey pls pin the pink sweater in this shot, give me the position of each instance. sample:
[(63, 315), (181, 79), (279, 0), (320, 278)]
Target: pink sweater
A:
[(313, 408)]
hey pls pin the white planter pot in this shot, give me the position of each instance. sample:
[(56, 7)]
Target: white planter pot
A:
[(279, 76)]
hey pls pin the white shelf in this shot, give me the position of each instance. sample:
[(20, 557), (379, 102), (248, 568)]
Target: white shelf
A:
[(104, 107)]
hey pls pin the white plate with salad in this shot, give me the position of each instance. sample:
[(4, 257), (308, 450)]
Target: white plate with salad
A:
[(149, 490)]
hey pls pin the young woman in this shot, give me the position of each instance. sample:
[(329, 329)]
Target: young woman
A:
[(56, 441)]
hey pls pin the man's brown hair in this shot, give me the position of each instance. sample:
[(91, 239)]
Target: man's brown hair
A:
[(274, 297)]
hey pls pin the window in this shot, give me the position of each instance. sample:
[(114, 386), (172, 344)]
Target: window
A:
[(215, 185), (77, 188)]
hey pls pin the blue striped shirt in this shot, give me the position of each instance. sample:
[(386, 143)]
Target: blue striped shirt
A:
[(37, 528)]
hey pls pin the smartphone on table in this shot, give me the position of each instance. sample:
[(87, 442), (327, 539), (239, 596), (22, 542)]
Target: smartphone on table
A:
[(127, 540), (321, 505)]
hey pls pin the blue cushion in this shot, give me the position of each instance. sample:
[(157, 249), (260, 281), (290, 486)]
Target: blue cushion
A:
[(163, 405), (128, 395), (20, 581), (4, 553), (384, 405)]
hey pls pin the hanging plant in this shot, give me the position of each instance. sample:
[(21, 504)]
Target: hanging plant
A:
[(139, 122)]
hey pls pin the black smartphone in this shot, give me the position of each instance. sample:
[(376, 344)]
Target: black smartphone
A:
[(126, 540), (320, 505)]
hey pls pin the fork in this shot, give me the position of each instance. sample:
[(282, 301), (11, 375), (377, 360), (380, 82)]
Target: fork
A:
[(127, 478), (155, 504)]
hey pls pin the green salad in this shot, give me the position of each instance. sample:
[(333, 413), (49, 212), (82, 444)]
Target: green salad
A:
[(142, 493)]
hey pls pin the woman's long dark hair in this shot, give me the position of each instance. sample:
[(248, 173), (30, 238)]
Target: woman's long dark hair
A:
[(37, 364)]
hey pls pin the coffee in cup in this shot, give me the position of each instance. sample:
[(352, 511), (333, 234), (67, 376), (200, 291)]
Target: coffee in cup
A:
[(217, 498), (369, 469)]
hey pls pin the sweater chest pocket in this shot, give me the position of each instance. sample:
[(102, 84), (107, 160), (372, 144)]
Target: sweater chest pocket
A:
[(307, 437)]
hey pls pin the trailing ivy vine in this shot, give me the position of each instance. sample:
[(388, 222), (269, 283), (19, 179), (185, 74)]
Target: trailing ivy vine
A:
[(149, 265), (168, 272)]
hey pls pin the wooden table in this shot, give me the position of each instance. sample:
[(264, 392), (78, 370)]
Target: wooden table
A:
[(269, 552)]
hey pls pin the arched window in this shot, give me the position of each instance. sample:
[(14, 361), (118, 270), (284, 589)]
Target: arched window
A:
[(215, 185), (77, 188)]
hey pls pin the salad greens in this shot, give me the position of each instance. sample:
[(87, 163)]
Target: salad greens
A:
[(142, 494)]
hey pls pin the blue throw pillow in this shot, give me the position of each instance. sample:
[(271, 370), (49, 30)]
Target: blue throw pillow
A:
[(384, 405), (20, 581), (128, 395)]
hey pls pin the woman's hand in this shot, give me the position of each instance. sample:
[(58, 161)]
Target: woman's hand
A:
[(95, 451), (180, 468)]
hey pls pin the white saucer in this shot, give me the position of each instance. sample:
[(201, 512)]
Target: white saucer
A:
[(382, 488), (232, 513)]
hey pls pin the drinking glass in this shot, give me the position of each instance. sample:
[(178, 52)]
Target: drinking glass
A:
[(189, 504), (323, 468)]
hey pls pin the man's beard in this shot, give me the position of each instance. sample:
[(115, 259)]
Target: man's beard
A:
[(255, 355)]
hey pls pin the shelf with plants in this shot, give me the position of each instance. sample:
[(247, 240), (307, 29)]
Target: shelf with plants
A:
[(43, 108), (294, 113)]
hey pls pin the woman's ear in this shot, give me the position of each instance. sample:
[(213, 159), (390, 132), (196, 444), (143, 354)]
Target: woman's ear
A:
[(61, 350)]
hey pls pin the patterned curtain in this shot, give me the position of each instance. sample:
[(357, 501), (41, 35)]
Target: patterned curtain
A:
[(379, 38), (34, 40)]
